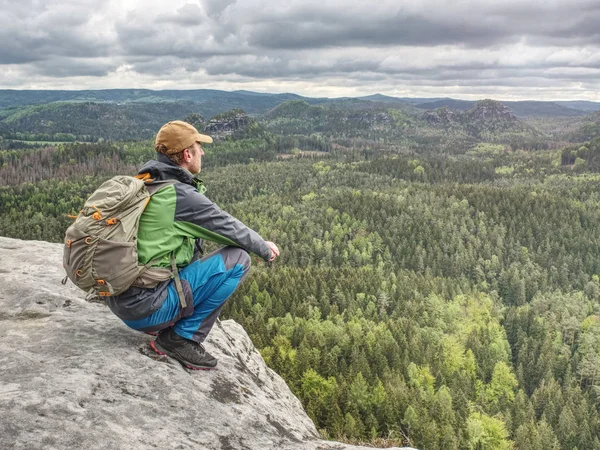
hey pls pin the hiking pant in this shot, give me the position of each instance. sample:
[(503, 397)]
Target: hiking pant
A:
[(211, 280)]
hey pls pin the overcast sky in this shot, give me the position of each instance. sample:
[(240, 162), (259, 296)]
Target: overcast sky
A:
[(510, 49)]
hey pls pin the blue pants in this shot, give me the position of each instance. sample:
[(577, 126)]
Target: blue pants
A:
[(210, 280)]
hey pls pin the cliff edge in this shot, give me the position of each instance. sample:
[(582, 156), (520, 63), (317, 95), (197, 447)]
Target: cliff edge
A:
[(73, 376)]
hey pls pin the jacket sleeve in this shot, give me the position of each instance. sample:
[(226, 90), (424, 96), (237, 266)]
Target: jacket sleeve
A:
[(200, 217)]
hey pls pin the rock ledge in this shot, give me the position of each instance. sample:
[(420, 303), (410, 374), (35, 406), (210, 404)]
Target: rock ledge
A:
[(73, 376)]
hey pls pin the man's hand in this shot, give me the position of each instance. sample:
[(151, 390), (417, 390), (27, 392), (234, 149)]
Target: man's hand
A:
[(274, 250)]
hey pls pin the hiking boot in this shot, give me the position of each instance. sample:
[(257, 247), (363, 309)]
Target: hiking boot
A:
[(189, 353)]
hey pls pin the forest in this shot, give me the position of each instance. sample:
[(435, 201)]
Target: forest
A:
[(441, 294)]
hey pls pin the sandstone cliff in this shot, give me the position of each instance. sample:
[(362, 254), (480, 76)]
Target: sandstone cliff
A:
[(227, 123), (73, 376)]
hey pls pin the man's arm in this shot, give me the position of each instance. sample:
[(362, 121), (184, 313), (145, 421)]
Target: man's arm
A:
[(197, 215)]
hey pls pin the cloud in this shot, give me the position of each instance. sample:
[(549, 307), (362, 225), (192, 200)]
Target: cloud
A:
[(333, 47)]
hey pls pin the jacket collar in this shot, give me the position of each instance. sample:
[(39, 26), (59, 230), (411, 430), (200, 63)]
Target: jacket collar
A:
[(164, 169)]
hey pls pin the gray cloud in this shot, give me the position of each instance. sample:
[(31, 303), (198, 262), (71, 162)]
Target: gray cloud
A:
[(32, 31), (311, 45), (426, 23), (66, 67)]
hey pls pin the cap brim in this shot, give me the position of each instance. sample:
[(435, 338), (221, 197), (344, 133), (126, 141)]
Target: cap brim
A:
[(204, 139)]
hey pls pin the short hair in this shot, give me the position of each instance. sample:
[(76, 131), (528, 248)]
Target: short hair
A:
[(177, 158)]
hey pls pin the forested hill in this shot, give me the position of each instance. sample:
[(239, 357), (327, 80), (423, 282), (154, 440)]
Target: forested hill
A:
[(90, 121), (520, 109), (212, 101), (137, 114), (349, 118), (215, 101), (589, 129), (487, 120)]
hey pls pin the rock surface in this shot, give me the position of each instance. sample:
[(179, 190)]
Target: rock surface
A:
[(73, 376), (226, 124)]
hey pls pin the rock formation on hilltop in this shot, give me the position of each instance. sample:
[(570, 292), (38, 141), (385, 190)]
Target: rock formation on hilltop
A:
[(226, 124), (491, 110), (73, 376), (486, 119), (441, 116)]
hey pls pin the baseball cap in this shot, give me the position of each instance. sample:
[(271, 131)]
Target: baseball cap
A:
[(177, 135)]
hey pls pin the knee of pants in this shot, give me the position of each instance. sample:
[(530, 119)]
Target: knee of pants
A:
[(233, 256)]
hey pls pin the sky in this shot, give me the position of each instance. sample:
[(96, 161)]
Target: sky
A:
[(510, 49)]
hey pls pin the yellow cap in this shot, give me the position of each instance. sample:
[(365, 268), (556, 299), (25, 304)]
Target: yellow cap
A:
[(177, 135)]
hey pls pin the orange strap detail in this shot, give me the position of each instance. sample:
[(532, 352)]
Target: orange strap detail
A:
[(78, 273), (71, 217), (102, 282), (69, 242), (111, 221), (88, 240), (97, 215), (143, 176), (104, 294)]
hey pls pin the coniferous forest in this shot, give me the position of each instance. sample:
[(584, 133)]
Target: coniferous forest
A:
[(437, 287)]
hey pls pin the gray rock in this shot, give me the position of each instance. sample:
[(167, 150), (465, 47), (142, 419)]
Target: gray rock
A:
[(73, 376), (226, 124)]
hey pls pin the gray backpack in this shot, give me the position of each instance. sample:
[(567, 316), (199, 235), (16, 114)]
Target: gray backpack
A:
[(100, 253)]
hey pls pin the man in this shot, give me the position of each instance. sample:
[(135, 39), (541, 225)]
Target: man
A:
[(175, 221)]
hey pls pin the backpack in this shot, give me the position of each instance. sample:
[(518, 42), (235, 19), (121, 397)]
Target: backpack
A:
[(100, 252)]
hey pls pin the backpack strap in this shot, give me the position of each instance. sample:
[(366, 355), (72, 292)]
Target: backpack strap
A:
[(178, 285)]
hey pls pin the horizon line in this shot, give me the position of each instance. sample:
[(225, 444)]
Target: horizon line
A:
[(434, 98)]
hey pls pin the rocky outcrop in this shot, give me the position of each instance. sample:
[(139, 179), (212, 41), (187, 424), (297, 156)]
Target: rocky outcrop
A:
[(491, 111), (487, 119), (226, 124), (73, 376), (441, 116)]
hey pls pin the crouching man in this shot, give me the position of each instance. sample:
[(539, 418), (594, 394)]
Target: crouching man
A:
[(171, 229)]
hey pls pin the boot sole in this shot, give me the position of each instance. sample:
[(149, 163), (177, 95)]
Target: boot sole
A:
[(161, 351)]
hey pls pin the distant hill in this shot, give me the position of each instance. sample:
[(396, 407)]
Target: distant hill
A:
[(137, 113), (350, 117), (589, 129), (581, 105), (384, 99), (90, 121), (542, 109), (209, 101), (461, 105), (212, 101), (487, 119), (520, 109), (419, 100)]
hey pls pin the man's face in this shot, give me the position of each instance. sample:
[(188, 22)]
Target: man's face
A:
[(196, 163)]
